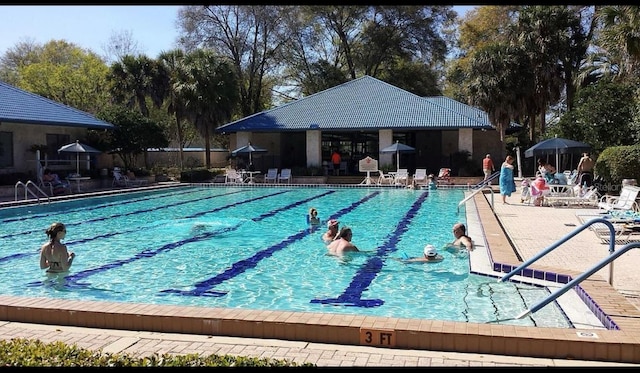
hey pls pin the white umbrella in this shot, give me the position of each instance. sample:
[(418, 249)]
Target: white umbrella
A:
[(78, 147), (398, 148), (248, 149)]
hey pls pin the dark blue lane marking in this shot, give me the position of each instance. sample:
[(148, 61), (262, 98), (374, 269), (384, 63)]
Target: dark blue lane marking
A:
[(17, 256), (83, 209), (203, 287), (352, 296), (198, 214), (125, 214), (284, 208), (72, 280)]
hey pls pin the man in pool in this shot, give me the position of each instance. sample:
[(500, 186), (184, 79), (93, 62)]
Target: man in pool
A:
[(430, 256), (342, 243), (461, 241), (332, 231)]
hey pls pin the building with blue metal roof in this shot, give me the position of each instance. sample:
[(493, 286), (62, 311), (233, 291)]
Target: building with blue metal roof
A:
[(359, 118), (28, 120)]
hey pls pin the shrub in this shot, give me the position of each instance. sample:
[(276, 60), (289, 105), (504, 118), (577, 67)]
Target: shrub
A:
[(196, 175), (21, 352), (617, 163)]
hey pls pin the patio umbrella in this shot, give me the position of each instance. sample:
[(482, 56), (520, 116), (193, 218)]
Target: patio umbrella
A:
[(557, 146), (248, 149), (78, 147), (398, 148)]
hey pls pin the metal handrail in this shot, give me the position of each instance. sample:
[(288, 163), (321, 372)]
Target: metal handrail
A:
[(486, 181), (612, 234), (28, 191), (474, 193), (580, 278)]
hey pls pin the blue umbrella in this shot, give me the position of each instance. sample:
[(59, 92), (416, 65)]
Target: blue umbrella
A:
[(556, 145), (398, 148), (248, 149)]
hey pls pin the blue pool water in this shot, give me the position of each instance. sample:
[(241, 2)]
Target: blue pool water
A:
[(251, 248)]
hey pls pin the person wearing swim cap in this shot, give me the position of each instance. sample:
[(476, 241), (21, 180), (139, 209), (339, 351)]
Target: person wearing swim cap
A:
[(430, 256), (333, 226)]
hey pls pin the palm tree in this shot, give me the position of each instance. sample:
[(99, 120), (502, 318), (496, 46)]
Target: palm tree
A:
[(131, 81), (210, 91), (172, 62)]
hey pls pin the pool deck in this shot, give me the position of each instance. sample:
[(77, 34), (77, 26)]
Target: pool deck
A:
[(340, 340)]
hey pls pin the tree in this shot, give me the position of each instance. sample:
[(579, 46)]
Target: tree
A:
[(133, 134), (66, 73), (120, 44), (209, 88), (131, 80)]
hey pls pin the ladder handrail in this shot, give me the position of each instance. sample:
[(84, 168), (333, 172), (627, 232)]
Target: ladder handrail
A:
[(580, 278), (486, 181), (28, 191), (612, 234), (474, 193)]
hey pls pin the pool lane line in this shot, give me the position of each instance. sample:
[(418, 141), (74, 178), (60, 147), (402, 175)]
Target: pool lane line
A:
[(101, 206), (72, 280), (204, 287), (352, 295), (102, 218)]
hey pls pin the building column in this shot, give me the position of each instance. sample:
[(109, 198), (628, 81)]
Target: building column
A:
[(465, 140), (314, 148), (385, 138)]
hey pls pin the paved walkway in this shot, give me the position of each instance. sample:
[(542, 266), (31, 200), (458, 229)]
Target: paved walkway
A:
[(530, 228)]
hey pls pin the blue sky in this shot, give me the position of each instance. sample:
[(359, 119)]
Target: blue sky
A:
[(90, 26)]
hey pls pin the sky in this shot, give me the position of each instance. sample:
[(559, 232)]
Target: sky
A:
[(90, 26)]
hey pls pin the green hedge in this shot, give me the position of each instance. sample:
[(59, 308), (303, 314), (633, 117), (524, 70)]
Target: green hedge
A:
[(20, 352), (617, 163)]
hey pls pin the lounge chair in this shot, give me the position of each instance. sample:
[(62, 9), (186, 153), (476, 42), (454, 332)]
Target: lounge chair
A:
[(420, 177), (590, 197), (444, 176), (626, 201), (271, 176), (402, 176), (285, 175), (120, 179)]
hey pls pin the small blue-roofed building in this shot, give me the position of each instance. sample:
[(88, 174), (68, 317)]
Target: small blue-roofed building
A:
[(359, 118), (28, 120)]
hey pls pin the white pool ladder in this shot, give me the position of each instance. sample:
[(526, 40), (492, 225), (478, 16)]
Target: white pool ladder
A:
[(28, 191)]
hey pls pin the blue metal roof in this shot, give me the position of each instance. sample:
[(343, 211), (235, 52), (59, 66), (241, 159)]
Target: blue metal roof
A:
[(19, 106), (464, 109), (365, 103)]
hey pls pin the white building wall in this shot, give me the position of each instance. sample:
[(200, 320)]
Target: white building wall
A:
[(385, 138)]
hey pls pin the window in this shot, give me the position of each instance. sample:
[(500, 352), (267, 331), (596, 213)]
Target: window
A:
[(6, 149)]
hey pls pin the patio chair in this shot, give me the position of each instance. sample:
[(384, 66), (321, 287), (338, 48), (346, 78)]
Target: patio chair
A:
[(119, 179), (271, 176), (285, 175), (626, 201), (588, 197), (402, 176), (384, 178), (232, 176), (420, 177)]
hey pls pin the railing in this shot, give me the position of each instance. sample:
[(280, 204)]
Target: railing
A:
[(486, 182), (28, 191), (473, 194), (580, 278)]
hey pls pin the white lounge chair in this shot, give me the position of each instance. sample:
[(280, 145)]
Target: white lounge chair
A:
[(119, 179), (271, 176), (626, 201), (285, 175), (589, 197), (420, 177), (402, 176)]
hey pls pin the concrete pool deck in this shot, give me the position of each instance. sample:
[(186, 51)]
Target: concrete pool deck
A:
[(339, 340)]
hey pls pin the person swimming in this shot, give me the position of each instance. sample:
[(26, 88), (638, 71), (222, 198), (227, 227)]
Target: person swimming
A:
[(313, 217)]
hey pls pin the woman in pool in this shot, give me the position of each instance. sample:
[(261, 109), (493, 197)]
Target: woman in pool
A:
[(53, 254), (313, 217)]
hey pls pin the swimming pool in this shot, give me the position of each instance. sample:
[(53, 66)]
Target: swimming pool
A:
[(251, 248)]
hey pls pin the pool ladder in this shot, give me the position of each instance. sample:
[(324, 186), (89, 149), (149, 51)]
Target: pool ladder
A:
[(608, 260), (479, 187), (28, 191)]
